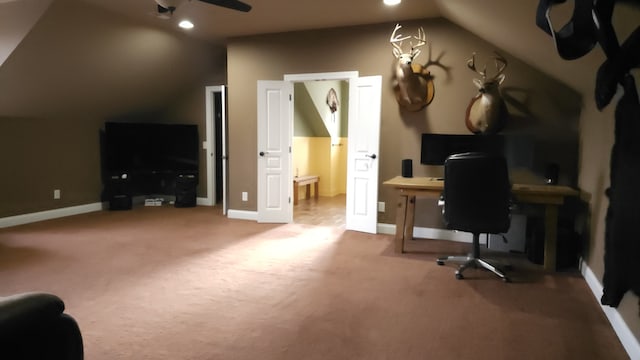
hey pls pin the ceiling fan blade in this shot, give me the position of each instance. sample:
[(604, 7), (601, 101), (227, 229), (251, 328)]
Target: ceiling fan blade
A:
[(230, 4), (164, 12)]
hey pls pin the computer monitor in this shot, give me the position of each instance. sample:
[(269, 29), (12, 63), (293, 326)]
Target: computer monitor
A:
[(435, 148)]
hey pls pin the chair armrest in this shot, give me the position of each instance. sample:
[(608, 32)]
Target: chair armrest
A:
[(24, 311)]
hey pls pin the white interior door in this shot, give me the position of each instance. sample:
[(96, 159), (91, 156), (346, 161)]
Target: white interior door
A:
[(275, 111), (362, 157)]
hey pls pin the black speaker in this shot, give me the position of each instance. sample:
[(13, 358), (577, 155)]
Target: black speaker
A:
[(407, 168), (186, 191), (551, 174), (120, 202), (119, 192)]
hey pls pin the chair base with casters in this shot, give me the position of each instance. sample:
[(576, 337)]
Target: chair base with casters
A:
[(476, 199), (473, 260)]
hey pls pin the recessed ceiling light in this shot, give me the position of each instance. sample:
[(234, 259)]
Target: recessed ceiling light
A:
[(186, 24), (391, 2)]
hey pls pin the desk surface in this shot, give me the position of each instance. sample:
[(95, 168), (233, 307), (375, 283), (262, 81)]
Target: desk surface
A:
[(432, 183), (551, 196)]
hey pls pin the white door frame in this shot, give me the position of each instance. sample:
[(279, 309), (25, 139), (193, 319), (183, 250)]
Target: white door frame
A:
[(345, 75), (210, 146), (340, 75)]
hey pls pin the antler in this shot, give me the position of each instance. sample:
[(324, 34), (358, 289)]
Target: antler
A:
[(422, 39), (396, 40), (500, 61), (471, 64)]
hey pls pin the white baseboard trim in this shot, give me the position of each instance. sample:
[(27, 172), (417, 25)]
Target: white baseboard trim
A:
[(626, 337), (204, 201), (50, 214), (429, 233), (387, 229), (628, 340), (242, 214), (442, 234)]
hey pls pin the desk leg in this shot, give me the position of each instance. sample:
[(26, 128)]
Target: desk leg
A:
[(308, 192), (401, 219), (295, 194), (411, 216), (550, 237), (315, 190)]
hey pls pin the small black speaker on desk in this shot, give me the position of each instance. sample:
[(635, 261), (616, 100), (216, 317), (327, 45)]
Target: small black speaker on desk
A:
[(407, 168)]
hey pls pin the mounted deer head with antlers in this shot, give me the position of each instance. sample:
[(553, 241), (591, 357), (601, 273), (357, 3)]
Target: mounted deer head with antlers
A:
[(487, 112), (412, 83)]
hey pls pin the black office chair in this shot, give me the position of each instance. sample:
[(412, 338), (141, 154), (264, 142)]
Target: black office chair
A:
[(477, 198)]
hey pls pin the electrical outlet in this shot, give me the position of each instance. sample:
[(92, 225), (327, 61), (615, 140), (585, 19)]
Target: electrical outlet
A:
[(56, 194), (245, 196), (381, 206)]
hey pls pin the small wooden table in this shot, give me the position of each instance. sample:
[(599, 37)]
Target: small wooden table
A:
[(305, 180), (551, 196)]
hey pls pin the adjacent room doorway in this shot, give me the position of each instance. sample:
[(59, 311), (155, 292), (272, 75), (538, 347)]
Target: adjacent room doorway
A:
[(275, 123), (215, 146), (320, 149)]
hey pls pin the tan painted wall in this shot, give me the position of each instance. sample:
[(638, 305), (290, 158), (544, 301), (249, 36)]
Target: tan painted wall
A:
[(597, 138), (543, 108), (579, 135), (77, 68)]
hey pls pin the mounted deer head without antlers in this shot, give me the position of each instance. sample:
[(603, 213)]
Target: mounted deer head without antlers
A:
[(487, 112), (412, 83)]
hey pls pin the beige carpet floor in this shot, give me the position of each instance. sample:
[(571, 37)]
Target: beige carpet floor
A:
[(167, 283)]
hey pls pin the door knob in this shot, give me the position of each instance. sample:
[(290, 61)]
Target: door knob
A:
[(373, 156), (262, 153)]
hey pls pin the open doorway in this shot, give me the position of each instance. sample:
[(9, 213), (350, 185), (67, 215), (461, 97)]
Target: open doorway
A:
[(319, 148), (216, 146), (275, 132)]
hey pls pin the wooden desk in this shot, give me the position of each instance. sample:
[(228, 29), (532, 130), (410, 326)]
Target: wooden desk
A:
[(551, 196), (305, 181)]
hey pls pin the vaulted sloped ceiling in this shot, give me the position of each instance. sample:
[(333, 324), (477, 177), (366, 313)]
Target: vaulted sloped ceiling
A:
[(16, 20), (308, 118), (508, 24), (101, 63)]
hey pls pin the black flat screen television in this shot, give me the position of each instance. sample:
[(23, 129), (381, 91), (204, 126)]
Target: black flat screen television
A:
[(435, 148), (143, 148)]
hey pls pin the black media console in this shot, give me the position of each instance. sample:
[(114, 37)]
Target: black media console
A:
[(122, 188), (150, 159)]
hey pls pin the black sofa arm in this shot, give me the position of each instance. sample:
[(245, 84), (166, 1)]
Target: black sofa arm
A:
[(21, 312), (34, 326)]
